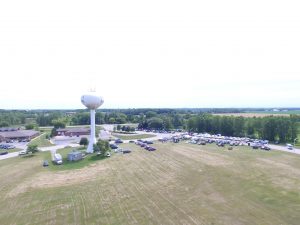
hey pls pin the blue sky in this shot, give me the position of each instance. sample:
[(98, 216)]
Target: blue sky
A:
[(150, 54)]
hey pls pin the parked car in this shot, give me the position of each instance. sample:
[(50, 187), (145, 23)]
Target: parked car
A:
[(126, 151), (45, 163), (151, 149), (3, 152), (265, 147), (118, 141), (113, 146), (23, 152)]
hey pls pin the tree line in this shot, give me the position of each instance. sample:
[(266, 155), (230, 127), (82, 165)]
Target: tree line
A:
[(194, 120), (272, 128)]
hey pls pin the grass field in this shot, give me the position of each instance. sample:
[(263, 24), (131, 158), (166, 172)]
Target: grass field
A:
[(41, 141), (67, 165), (177, 184), (261, 113), (250, 114), (132, 136)]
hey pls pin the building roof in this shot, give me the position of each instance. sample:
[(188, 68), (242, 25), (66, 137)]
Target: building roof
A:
[(19, 134), (3, 129)]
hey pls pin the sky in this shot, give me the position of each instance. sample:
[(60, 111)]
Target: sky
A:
[(141, 54)]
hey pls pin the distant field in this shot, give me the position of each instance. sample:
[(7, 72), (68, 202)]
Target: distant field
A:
[(249, 114), (177, 184), (280, 112), (132, 136)]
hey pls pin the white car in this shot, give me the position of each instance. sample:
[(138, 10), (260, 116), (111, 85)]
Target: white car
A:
[(23, 152), (289, 146)]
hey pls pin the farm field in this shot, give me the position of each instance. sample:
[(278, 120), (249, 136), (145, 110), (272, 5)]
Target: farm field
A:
[(177, 184), (250, 114)]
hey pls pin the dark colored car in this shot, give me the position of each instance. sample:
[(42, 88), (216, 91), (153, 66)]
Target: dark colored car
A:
[(118, 141), (45, 163), (113, 146), (151, 149), (148, 142), (4, 153), (126, 151)]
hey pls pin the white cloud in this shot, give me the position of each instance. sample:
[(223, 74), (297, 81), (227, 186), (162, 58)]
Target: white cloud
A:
[(150, 54)]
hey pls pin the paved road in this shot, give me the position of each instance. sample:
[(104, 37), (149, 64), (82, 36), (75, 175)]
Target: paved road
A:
[(283, 148), (9, 155), (43, 149)]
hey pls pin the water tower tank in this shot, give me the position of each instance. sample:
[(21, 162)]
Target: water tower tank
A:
[(91, 100)]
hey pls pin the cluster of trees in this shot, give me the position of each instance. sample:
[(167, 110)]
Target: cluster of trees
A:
[(102, 147), (152, 120), (13, 117), (125, 128), (271, 128)]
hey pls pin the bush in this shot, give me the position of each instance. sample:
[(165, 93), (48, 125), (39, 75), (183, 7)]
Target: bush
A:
[(84, 141), (29, 126), (33, 148)]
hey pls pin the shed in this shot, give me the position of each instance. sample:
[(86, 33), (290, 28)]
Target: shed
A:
[(74, 156)]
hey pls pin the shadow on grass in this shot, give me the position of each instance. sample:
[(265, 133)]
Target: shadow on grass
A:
[(28, 156), (96, 158)]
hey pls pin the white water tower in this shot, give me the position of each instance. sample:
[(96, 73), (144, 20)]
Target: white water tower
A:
[(92, 101)]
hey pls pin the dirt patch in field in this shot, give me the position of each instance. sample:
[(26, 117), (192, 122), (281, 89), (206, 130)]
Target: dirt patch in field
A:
[(59, 179), (205, 157)]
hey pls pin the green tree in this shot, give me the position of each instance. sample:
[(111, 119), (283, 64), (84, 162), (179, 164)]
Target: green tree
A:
[(118, 127), (84, 141), (4, 124), (59, 123), (239, 126), (155, 123), (29, 126), (102, 146), (32, 148)]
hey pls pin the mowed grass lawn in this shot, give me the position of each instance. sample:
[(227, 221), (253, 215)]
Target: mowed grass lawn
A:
[(41, 141), (177, 184)]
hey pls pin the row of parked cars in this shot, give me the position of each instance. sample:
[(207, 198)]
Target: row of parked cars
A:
[(145, 144), (221, 141), (6, 146)]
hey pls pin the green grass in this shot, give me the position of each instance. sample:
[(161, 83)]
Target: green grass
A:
[(13, 150), (68, 165), (176, 184), (133, 136), (41, 141)]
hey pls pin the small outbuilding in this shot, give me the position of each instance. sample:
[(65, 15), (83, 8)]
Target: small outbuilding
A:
[(75, 156)]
